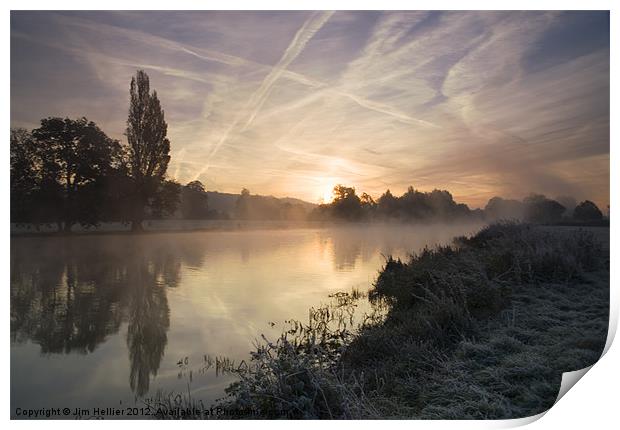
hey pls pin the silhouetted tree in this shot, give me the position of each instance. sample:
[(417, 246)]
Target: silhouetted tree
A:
[(346, 204), (194, 201), (387, 205), (369, 206), (367, 200), (413, 205), (149, 146), (540, 209), (499, 208), (587, 211), (25, 181), (117, 200), (166, 200), (242, 205), (444, 207), (73, 157)]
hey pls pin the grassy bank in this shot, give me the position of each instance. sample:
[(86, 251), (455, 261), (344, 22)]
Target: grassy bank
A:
[(480, 329)]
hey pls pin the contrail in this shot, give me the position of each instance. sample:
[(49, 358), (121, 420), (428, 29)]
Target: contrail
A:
[(310, 27), (150, 39), (297, 45), (181, 157), (217, 147), (208, 55), (258, 98), (388, 110)]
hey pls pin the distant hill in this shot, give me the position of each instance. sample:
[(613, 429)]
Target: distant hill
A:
[(225, 202), (294, 201)]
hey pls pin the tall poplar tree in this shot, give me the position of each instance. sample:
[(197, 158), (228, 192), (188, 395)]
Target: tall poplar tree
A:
[(148, 144)]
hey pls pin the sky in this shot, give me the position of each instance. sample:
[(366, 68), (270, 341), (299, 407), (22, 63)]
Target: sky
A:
[(292, 103)]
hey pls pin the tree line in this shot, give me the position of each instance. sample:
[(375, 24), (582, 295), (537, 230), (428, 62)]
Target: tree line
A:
[(68, 171), (439, 205)]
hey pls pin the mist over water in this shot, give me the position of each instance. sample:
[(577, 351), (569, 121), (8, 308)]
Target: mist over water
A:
[(104, 320)]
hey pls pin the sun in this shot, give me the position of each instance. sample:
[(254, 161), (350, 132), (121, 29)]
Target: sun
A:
[(326, 193)]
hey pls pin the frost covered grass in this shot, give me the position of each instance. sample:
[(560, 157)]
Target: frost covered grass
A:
[(482, 329)]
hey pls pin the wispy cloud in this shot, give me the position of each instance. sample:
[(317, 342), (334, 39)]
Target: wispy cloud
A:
[(297, 45), (481, 103), (256, 101)]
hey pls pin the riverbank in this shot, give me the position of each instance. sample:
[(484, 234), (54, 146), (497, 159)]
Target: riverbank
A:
[(180, 226), (162, 226), (482, 329)]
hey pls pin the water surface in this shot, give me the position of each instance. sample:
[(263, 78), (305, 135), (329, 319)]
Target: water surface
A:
[(104, 320)]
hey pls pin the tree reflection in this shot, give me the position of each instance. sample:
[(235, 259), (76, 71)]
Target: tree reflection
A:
[(56, 301), (149, 319), (346, 248), (69, 294)]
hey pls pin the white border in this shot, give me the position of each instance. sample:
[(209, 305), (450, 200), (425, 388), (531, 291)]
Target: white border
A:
[(591, 404)]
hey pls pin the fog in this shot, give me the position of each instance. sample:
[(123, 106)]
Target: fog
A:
[(108, 317)]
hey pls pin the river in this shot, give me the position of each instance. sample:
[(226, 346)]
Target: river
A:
[(108, 320)]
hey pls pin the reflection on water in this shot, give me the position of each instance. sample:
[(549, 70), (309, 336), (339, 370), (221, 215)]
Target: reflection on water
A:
[(88, 313), (69, 295)]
